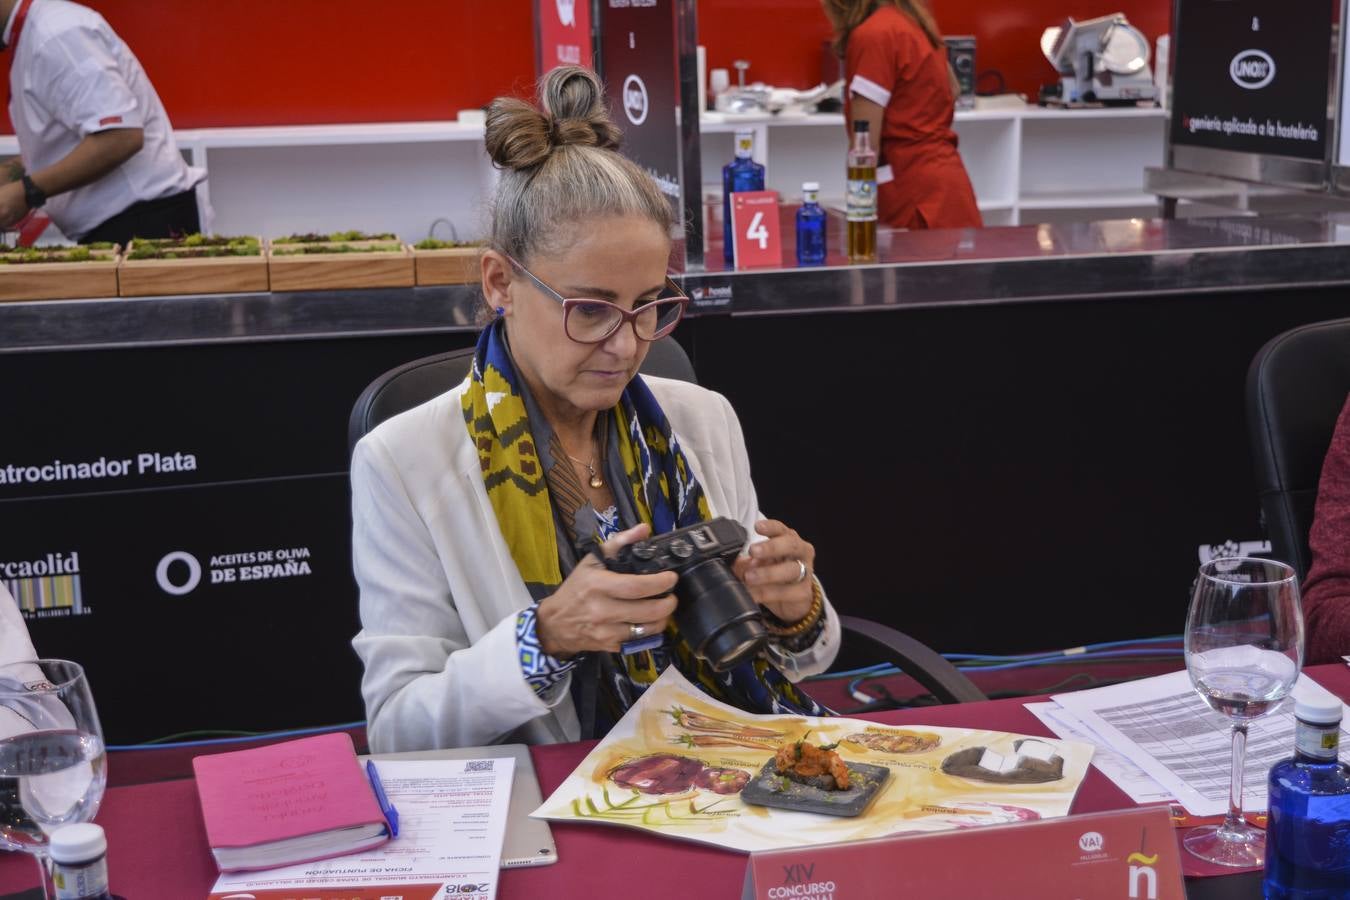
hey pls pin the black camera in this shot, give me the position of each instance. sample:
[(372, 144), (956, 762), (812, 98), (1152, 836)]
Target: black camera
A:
[(716, 613)]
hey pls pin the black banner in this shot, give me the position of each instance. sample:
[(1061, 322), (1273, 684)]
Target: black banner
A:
[(177, 520), (637, 55), (1251, 76)]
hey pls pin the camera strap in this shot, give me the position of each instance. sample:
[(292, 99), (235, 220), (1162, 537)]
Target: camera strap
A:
[(585, 689)]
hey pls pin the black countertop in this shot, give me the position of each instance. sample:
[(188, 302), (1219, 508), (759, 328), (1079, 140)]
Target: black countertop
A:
[(1062, 262)]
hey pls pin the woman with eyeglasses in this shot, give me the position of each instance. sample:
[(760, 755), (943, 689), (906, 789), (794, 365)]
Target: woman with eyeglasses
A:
[(484, 618)]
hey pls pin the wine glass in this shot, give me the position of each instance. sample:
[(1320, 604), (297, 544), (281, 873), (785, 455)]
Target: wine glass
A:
[(1244, 650), (52, 770)]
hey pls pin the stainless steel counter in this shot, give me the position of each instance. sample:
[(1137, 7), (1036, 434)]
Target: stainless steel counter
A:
[(1065, 262)]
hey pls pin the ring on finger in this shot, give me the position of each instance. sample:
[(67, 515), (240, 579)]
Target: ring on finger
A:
[(801, 572), (636, 631)]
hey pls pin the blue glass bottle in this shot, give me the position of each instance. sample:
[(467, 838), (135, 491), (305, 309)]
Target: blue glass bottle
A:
[(810, 227), (1308, 832), (741, 174)]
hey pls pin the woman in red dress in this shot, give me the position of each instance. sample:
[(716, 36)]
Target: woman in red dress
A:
[(899, 81)]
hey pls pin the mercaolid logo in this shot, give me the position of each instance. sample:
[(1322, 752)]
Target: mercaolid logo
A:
[(567, 12), (635, 99), (1252, 69), (46, 587)]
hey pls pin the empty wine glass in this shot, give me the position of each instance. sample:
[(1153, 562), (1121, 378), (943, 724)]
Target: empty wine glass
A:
[(1244, 650), (52, 769)]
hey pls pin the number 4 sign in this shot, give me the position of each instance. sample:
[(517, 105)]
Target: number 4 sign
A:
[(754, 222)]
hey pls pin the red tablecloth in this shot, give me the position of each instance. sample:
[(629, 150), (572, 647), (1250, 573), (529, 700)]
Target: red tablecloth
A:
[(158, 851)]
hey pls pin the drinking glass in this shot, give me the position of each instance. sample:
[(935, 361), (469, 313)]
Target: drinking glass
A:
[(1244, 650), (52, 770)]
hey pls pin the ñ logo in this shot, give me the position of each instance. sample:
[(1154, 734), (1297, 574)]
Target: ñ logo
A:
[(635, 99), (567, 12), (1252, 69), (1091, 842)]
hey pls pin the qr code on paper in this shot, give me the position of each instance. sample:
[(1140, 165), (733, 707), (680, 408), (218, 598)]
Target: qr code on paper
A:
[(479, 765)]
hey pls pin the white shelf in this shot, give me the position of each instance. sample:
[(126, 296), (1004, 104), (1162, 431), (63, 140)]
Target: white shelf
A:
[(1087, 200), (1019, 157), (329, 135), (1114, 113)]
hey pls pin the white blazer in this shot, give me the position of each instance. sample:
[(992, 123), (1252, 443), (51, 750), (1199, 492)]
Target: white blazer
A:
[(440, 592)]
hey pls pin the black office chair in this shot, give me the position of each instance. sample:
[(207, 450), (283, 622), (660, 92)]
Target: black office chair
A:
[(418, 381), (1296, 386)]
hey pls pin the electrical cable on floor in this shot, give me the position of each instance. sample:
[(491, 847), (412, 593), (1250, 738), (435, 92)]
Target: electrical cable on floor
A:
[(974, 662), (169, 742)]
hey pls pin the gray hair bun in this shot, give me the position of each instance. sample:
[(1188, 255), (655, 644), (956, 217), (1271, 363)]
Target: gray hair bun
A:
[(572, 112)]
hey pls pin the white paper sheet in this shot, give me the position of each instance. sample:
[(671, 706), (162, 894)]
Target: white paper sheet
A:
[(452, 819), (1131, 779), (707, 753), (1163, 726)]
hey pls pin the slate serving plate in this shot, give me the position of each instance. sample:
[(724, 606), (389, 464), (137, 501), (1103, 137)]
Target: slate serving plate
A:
[(768, 788), (966, 764)]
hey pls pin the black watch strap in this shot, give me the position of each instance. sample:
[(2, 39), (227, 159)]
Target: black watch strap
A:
[(32, 194)]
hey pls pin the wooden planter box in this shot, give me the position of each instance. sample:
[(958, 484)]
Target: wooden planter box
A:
[(60, 280), (338, 271), (451, 265), (207, 275)]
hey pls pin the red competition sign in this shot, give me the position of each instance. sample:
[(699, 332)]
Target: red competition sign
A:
[(562, 34), (754, 222), (1130, 854)]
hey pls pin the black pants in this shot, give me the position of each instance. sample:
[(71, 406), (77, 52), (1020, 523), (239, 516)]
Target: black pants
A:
[(170, 216)]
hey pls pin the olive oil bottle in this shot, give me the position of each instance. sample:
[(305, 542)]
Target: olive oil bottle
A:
[(862, 196)]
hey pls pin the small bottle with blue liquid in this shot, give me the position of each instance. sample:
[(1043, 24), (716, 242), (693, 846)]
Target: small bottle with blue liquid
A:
[(810, 227), (741, 174), (1308, 830)]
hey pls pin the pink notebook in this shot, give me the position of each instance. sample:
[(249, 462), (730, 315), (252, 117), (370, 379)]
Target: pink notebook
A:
[(287, 803)]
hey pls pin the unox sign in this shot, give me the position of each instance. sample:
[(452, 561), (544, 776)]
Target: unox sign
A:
[(635, 102), (637, 52), (1251, 76), (1252, 69), (562, 31)]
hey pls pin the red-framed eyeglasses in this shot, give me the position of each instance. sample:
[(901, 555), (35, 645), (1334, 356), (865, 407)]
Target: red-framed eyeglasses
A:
[(591, 320)]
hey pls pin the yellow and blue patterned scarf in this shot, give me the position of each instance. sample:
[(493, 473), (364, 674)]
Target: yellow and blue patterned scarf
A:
[(664, 494)]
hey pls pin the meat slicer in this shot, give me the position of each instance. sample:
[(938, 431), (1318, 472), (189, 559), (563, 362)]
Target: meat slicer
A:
[(1101, 60)]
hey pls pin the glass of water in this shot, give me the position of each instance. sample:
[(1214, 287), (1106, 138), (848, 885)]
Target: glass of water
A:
[(52, 770), (1244, 651)]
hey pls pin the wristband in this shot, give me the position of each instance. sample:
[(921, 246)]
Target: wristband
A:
[(32, 194)]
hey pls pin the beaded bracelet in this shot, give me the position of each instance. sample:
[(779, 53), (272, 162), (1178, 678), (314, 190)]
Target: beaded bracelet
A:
[(778, 628)]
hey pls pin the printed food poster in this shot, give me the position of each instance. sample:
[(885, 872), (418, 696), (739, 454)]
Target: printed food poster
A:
[(682, 764)]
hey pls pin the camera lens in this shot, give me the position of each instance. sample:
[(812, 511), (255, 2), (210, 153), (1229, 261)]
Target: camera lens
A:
[(717, 615)]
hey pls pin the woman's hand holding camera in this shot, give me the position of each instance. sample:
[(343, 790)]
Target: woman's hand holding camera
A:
[(778, 571), (596, 609)]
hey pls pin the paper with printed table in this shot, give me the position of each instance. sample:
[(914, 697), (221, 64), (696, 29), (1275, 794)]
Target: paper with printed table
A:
[(681, 760)]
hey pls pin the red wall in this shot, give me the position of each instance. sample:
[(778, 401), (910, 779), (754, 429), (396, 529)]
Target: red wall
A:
[(271, 62), (781, 38), (266, 62)]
